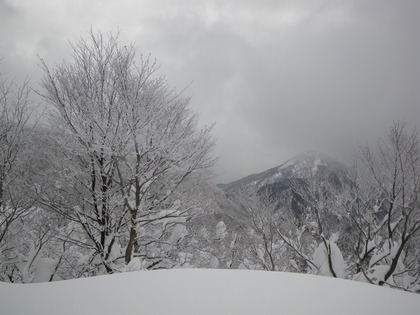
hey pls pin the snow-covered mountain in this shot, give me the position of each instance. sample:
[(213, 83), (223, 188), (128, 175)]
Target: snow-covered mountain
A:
[(278, 181), (304, 165)]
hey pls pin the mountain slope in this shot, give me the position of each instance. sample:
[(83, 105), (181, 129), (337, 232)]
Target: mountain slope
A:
[(306, 164), (282, 181)]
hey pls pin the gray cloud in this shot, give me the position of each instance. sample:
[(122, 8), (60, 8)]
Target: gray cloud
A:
[(276, 76)]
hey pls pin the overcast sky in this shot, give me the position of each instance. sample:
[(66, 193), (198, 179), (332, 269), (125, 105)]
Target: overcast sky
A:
[(276, 77)]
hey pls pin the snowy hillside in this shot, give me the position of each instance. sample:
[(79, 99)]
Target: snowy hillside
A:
[(304, 165), (283, 182), (205, 292)]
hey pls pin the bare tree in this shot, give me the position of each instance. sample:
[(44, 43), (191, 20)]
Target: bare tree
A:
[(136, 138), (390, 217), (14, 135), (279, 241), (23, 236), (314, 240), (259, 218)]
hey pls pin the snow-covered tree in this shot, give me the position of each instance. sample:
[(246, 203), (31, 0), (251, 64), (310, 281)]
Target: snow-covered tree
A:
[(214, 237), (17, 194), (386, 210), (259, 219), (314, 239), (129, 140), (14, 133)]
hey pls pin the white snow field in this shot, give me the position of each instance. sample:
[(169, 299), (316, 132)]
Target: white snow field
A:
[(198, 291)]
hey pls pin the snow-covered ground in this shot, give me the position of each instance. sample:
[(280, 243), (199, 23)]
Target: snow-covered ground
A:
[(198, 291)]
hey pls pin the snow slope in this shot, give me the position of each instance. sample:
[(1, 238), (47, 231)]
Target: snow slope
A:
[(198, 291)]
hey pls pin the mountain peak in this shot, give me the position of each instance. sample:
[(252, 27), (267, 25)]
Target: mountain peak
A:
[(305, 164)]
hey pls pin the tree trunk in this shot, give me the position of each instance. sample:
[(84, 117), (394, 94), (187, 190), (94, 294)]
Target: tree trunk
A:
[(132, 238)]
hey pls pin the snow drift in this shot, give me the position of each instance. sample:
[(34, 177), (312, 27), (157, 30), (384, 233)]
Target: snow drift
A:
[(198, 291)]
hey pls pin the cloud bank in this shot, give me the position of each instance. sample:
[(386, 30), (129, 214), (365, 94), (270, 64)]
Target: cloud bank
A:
[(276, 77)]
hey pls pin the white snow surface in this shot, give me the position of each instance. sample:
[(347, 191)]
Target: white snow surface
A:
[(200, 291)]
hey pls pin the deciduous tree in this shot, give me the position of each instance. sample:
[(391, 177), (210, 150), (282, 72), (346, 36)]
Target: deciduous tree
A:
[(131, 140)]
